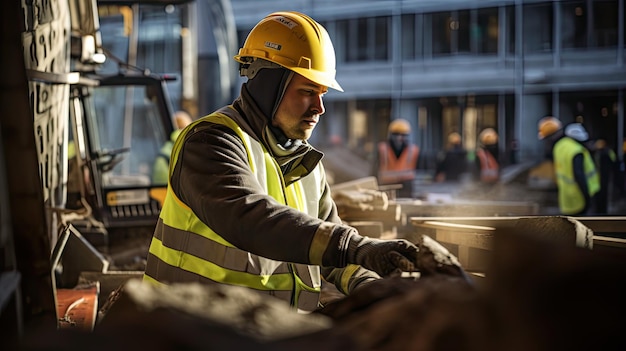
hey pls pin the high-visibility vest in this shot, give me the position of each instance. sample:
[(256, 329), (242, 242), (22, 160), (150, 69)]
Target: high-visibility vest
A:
[(394, 169), (184, 249), (571, 198), (160, 168), (489, 168)]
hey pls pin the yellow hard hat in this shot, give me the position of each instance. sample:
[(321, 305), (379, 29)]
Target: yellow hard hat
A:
[(600, 144), (548, 126), (294, 41), (400, 126), (488, 136), (454, 138), (182, 119)]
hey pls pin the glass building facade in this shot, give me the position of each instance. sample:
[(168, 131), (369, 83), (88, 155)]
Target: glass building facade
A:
[(452, 65)]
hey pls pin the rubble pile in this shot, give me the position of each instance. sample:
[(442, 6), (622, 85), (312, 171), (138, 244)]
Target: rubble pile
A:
[(538, 295)]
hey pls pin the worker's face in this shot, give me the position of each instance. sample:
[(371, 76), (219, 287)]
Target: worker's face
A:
[(300, 109)]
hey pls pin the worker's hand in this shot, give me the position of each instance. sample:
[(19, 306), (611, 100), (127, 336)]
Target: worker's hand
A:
[(391, 257), (385, 257)]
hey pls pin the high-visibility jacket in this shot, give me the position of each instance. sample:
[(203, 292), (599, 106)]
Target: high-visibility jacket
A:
[(394, 169), (571, 198), (489, 167), (160, 168), (185, 249)]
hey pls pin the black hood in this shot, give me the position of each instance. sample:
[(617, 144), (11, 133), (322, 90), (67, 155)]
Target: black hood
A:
[(267, 89)]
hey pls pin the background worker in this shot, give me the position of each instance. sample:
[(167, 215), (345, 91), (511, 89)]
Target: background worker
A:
[(606, 163), (397, 158), (248, 203), (576, 176), (161, 166), (487, 170), (451, 163)]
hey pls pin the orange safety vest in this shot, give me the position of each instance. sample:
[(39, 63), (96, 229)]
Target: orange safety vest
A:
[(489, 168), (394, 170)]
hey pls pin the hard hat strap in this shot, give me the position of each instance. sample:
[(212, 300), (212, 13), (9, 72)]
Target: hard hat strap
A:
[(251, 69)]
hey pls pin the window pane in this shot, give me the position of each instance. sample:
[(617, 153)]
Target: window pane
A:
[(362, 39), (342, 41), (381, 35), (487, 39), (574, 24), (441, 22), (407, 39), (605, 23), (511, 20), (463, 32), (538, 27)]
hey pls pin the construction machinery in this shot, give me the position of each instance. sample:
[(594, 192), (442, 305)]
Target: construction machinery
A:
[(109, 183)]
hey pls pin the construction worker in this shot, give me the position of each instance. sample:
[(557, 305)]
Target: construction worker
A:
[(608, 167), (451, 163), (576, 176), (248, 203), (160, 168), (397, 157), (487, 164)]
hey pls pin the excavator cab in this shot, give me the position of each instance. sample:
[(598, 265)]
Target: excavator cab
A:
[(118, 126)]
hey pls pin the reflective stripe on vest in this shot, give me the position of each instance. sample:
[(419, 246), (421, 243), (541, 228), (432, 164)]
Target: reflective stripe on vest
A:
[(394, 169), (184, 249), (489, 168), (571, 199)]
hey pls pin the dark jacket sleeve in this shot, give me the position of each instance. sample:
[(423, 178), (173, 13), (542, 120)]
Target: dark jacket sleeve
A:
[(580, 177), (345, 279)]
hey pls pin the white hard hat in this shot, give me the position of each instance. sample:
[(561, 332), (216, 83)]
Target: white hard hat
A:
[(577, 131)]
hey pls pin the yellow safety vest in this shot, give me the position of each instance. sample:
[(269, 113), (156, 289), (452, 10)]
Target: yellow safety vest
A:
[(184, 249), (571, 199)]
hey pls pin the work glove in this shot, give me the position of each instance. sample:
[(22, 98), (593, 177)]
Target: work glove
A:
[(385, 257), (392, 257)]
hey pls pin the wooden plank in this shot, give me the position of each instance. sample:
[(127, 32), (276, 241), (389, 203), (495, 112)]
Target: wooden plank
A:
[(605, 224), (470, 208), (357, 184), (392, 215), (373, 229), (477, 240), (608, 241)]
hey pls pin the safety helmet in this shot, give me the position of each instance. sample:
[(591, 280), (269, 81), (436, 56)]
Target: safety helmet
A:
[(488, 136), (182, 119), (399, 126), (454, 138), (576, 131), (548, 126), (294, 41)]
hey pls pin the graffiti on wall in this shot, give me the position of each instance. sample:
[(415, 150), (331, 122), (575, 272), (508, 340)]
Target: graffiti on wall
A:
[(46, 44)]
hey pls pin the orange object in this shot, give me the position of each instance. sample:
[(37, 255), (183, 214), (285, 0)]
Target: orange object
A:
[(77, 308)]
